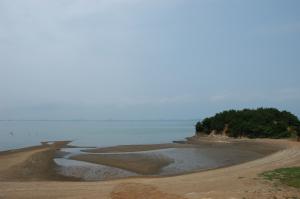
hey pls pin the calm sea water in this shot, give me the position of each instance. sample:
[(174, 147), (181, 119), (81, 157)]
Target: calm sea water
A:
[(17, 134)]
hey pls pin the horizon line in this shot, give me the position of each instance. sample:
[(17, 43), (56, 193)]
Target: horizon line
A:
[(12, 120)]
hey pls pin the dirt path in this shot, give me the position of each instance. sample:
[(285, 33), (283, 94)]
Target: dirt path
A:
[(240, 181)]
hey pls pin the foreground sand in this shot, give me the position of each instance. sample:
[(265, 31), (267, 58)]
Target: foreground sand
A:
[(240, 181)]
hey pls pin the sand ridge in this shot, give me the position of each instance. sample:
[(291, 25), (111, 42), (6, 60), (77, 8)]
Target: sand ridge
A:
[(137, 148), (138, 163)]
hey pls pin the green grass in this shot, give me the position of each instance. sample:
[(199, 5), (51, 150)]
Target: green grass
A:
[(287, 176)]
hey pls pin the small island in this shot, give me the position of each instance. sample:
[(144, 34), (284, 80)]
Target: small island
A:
[(251, 123)]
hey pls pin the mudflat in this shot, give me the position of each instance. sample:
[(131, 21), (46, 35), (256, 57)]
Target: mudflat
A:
[(150, 159)]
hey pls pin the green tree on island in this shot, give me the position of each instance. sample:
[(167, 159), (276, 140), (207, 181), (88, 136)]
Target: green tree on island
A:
[(252, 123)]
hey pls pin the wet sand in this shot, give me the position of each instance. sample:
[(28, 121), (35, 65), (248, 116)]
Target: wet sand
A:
[(174, 159), (239, 181), (138, 163), (139, 159)]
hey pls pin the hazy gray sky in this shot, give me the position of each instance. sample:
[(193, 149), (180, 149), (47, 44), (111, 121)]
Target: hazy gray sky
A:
[(147, 59)]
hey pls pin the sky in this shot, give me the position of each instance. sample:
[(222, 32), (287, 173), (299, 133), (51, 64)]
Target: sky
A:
[(142, 59)]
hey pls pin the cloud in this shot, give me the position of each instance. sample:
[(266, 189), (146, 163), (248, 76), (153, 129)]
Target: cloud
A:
[(136, 58)]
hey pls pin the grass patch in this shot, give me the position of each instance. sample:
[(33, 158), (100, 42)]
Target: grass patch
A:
[(288, 176)]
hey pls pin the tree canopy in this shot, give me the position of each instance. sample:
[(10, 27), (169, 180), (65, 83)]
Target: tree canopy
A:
[(252, 123)]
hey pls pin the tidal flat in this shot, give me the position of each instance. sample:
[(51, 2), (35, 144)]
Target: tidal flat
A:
[(156, 159)]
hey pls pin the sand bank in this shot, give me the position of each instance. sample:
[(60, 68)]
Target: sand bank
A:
[(138, 163), (136, 148)]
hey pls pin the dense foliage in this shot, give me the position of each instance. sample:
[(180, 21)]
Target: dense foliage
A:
[(258, 123)]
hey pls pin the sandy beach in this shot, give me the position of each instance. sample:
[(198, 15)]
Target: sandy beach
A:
[(28, 173)]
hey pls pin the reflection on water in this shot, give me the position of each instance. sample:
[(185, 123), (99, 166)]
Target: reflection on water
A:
[(186, 160)]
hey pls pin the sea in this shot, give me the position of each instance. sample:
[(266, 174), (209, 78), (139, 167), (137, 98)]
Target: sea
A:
[(93, 133)]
